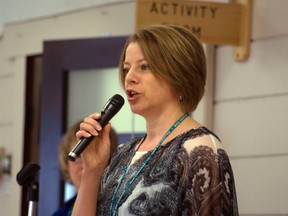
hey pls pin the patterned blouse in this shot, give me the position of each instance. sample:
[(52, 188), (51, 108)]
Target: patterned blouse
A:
[(189, 175)]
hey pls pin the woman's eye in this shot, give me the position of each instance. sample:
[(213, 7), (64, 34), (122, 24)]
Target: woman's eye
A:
[(145, 67), (125, 70)]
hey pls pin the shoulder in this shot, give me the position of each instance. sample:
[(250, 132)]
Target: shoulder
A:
[(201, 137), (129, 144), (202, 144)]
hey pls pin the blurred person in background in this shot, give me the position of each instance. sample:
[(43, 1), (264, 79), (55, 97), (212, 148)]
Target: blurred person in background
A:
[(72, 171)]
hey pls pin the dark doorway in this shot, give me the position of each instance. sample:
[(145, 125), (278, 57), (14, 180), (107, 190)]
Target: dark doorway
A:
[(60, 57), (32, 115)]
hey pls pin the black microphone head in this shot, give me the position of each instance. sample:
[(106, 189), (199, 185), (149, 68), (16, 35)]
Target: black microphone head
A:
[(114, 104), (110, 109), (27, 174), (117, 100)]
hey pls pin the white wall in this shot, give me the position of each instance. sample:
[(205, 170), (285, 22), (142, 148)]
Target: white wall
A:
[(251, 112), (12, 11), (22, 39), (250, 104)]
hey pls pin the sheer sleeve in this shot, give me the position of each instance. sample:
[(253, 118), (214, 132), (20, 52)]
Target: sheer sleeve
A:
[(212, 189)]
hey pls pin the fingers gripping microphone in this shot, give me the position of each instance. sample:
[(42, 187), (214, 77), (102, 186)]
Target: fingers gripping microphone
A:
[(110, 109)]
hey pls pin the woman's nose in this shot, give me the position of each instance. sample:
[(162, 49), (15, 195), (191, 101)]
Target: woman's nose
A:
[(131, 76)]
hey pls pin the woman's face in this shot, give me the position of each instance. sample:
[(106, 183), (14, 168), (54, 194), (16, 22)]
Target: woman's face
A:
[(146, 94), (75, 170)]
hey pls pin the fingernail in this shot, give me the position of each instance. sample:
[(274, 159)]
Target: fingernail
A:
[(99, 128), (94, 132)]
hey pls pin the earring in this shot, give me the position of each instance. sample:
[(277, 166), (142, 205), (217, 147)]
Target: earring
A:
[(181, 98)]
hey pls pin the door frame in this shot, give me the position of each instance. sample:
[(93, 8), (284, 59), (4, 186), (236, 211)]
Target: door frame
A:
[(60, 57)]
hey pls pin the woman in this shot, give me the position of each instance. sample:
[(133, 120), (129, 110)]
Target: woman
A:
[(179, 167), (72, 172)]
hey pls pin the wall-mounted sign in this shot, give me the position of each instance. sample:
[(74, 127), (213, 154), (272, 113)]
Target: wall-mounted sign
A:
[(212, 23)]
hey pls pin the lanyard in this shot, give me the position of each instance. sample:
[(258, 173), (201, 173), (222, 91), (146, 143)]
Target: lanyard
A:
[(114, 206)]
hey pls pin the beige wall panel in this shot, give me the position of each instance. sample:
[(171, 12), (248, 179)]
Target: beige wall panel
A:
[(253, 127), (265, 73), (269, 18), (7, 106), (103, 21), (12, 98), (261, 185), (20, 40), (9, 188), (6, 134)]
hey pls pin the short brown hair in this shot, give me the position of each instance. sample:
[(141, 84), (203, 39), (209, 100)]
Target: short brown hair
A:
[(176, 56)]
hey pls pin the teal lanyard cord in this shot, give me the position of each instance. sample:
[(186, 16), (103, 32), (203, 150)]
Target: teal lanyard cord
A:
[(113, 210)]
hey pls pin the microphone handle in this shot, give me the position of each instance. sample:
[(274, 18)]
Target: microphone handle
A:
[(83, 142), (79, 148)]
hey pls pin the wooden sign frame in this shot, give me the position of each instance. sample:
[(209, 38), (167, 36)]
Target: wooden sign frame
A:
[(212, 23)]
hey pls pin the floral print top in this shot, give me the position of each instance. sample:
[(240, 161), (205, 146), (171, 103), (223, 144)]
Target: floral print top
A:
[(189, 175)]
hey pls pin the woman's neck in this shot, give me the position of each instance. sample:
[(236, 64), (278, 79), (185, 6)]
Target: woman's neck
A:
[(157, 127)]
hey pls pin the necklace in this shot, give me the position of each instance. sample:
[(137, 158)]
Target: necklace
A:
[(114, 205)]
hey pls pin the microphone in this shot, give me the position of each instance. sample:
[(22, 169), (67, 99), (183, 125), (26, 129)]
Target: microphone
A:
[(27, 174), (27, 177), (111, 108)]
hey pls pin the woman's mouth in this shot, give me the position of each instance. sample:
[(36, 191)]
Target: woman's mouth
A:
[(132, 94)]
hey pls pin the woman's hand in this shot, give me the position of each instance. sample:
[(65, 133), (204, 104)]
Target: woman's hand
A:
[(96, 155)]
